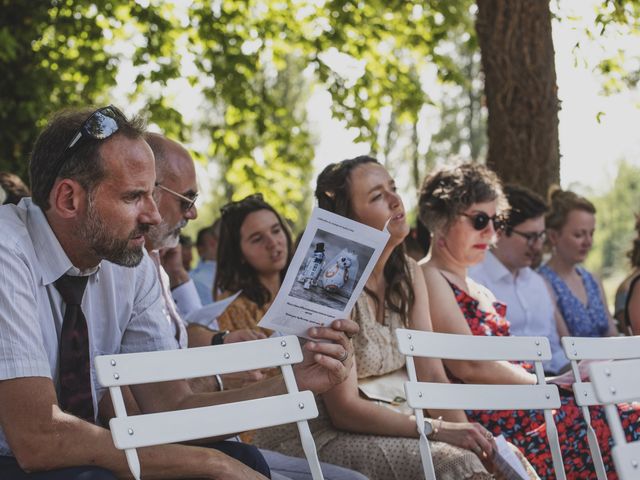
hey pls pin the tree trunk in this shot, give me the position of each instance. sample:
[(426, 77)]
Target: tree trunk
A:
[(522, 95)]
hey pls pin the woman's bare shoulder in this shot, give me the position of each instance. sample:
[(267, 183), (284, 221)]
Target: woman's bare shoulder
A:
[(427, 266)]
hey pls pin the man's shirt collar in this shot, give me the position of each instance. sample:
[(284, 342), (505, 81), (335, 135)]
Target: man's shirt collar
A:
[(53, 260)]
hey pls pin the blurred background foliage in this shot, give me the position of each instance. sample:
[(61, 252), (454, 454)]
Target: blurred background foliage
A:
[(255, 64)]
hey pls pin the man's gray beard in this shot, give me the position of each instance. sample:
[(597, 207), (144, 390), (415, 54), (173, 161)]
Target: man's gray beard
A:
[(103, 245), (162, 236)]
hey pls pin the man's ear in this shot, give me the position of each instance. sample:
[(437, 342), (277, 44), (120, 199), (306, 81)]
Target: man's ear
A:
[(67, 198)]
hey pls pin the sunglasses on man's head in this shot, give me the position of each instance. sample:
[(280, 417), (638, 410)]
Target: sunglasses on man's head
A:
[(231, 206), (480, 220), (100, 125)]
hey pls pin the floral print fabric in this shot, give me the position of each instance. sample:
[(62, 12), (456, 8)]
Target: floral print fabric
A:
[(590, 320), (526, 428)]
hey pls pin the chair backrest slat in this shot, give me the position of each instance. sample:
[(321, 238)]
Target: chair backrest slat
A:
[(584, 394), (219, 420), (469, 347), (599, 348), (425, 395), (161, 366), (617, 382), (481, 397), (132, 432)]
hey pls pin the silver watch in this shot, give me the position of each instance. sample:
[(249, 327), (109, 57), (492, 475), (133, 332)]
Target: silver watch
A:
[(428, 426)]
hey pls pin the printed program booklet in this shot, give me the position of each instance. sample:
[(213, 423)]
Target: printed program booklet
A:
[(207, 315), (328, 271)]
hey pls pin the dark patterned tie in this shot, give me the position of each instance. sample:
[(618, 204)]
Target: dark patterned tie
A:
[(75, 367)]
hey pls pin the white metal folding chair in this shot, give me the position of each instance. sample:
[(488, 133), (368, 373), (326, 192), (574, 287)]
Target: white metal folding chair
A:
[(131, 432), (587, 348), (613, 383), (424, 395)]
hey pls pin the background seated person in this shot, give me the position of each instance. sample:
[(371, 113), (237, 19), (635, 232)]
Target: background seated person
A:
[(461, 206), (204, 273), (628, 295), (352, 430), (571, 222), (79, 243), (506, 271), (186, 248), (253, 256), (14, 188)]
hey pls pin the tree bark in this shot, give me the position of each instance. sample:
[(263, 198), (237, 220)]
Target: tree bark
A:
[(521, 91)]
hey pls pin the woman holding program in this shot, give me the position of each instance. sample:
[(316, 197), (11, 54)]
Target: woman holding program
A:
[(354, 431)]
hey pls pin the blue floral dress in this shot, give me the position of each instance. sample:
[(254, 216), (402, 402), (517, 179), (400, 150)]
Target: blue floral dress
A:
[(589, 320), (526, 428)]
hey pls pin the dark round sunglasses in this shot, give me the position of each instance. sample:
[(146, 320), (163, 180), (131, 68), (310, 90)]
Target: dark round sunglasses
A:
[(480, 220)]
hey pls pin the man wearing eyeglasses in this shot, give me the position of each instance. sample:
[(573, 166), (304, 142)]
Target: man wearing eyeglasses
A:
[(506, 271), (75, 282), (175, 194), (176, 173)]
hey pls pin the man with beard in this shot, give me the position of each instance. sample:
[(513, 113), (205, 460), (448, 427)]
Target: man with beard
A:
[(76, 249), (176, 191), (175, 195)]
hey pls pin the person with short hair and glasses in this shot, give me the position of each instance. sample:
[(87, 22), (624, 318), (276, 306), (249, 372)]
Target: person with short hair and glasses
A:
[(461, 306), (506, 271), (76, 283)]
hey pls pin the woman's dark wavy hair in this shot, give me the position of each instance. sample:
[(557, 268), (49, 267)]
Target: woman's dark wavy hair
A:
[(233, 271), (333, 193)]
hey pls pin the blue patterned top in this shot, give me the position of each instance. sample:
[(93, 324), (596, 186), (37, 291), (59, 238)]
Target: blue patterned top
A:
[(582, 321)]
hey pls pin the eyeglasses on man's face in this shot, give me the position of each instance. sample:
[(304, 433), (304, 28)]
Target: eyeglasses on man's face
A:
[(186, 203), (531, 237), (480, 220)]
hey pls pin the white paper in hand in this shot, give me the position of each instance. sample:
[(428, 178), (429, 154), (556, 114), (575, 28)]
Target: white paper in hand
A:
[(332, 263), (507, 462), (207, 315)]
